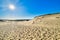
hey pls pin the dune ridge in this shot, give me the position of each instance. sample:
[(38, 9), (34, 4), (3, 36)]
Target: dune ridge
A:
[(45, 27)]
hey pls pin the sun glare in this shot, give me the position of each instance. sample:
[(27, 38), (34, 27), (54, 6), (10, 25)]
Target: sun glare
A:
[(11, 7)]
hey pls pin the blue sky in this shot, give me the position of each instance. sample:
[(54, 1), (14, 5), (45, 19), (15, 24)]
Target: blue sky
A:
[(28, 9)]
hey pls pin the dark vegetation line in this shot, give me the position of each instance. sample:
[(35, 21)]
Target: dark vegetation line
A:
[(2, 20), (47, 14)]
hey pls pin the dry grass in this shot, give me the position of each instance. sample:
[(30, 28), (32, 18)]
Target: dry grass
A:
[(47, 28)]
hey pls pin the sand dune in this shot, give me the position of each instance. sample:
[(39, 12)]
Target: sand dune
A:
[(45, 27)]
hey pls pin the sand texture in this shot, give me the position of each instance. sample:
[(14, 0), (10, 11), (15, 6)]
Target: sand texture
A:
[(40, 28)]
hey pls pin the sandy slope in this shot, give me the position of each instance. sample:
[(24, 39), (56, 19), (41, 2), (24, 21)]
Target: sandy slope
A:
[(40, 28)]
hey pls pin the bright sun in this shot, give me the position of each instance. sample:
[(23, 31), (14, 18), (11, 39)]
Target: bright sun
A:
[(11, 7)]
